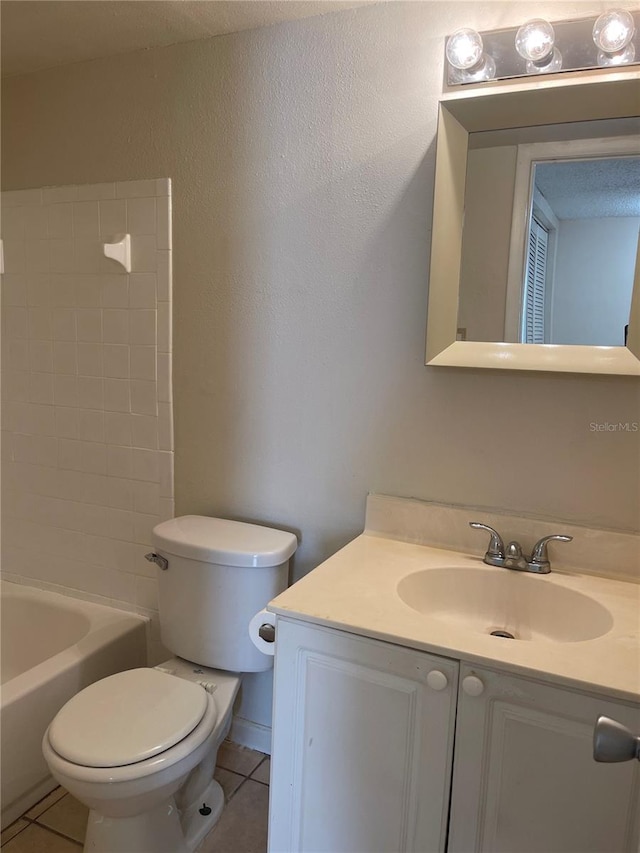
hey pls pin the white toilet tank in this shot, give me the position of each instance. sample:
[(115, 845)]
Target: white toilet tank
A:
[(220, 574)]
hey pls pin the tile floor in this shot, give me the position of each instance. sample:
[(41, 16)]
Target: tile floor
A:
[(57, 823)]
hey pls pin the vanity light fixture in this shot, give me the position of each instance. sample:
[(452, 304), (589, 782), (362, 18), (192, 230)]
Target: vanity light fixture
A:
[(467, 59), (577, 45), (535, 42), (612, 34)]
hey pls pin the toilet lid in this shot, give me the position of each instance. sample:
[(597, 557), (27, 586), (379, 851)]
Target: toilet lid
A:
[(126, 718)]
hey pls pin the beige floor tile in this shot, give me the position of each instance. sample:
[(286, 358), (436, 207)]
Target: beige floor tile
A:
[(243, 825), (36, 839), (261, 773), (67, 816), (45, 803), (230, 781), (12, 830), (240, 759)]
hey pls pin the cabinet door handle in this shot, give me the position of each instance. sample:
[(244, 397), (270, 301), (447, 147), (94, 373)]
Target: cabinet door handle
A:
[(437, 680), (472, 685)]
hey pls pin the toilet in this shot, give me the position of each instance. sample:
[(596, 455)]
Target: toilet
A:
[(139, 748)]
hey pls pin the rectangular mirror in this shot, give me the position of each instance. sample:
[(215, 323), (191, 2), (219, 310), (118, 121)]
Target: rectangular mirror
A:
[(535, 230)]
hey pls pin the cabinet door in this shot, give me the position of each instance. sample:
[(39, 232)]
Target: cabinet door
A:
[(362, 744), (524, 778)]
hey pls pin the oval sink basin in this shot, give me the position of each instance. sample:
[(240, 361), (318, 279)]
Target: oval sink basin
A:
[(526, 606)]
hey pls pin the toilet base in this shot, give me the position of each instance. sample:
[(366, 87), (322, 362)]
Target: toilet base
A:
[(161, 830)]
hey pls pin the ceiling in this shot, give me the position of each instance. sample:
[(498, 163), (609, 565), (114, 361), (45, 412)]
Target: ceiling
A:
[(591, 189), (39, 34)]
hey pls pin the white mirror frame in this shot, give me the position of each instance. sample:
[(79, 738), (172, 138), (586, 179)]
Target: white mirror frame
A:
[(582, 96)]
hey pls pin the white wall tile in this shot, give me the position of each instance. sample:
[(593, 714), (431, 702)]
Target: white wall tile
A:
[(14, 256), (144, 431), (94, 457), (91, 392), (90, 192), (65, 390), (41, 388), (117, 428), (165, 338), (141, 216), (165, 426), (143, 253), (62, 255), (144, 397), (41, 356), (146, 465), (36, 222), (66, 422), (91, 425), (136, 189), (64, 324), (114, 291), (15, 386), (143, 363), (16, 320), (113, 218), (37, 255), (142, 290), (86, 220), (16, 353), (116, 361), (115, 325), (163, 223), (117, 395), (60, 218), (163, 276), (88, 291), (39, 292), (90, 359), (143, 327), (13, 223), (62, 290), (53, 195), (83, 415), (14, 290), (65, 357), (119, 461), (40, 323), (89, 325)]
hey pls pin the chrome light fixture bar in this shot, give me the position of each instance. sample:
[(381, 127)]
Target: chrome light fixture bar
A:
[(543, 47)]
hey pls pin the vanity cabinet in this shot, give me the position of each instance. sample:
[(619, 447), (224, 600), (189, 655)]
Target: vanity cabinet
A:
[(524, 778), (362, 744), (364, 758)]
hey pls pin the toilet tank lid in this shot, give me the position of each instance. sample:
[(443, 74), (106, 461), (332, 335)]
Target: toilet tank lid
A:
[(225, 542)]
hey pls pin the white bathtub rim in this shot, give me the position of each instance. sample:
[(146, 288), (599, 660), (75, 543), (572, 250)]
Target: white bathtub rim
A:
[(106, 624)]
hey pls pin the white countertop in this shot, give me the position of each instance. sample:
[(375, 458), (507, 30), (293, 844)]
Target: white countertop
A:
[(356, 590)]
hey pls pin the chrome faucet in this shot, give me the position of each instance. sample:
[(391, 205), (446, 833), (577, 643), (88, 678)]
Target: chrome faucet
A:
[(512, 557)]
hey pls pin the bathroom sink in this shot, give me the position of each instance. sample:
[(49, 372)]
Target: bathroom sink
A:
[(487, 600)]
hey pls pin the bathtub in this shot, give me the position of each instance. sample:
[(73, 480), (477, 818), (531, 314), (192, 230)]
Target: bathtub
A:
[(51, 647)]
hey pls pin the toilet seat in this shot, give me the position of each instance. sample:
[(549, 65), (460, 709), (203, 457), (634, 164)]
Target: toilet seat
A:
[(128, 718)]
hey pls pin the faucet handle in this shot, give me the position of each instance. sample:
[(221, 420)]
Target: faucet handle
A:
[(539, 556), (496, 545)]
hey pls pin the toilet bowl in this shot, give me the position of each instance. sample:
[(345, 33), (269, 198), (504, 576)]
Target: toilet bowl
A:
[(139, 748), (128, 774)]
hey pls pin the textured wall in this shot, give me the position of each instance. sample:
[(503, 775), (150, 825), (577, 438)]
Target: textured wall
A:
[(302, 160)]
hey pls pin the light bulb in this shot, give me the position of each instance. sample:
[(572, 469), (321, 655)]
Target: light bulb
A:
[(535, 40), (464, 49), (613, 31), (621, 57), (550, 64)]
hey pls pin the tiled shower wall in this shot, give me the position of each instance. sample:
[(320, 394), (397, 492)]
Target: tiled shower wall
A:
[(87, 442)]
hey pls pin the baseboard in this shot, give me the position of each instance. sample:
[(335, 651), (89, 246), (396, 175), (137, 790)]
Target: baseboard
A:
[(253, 735)]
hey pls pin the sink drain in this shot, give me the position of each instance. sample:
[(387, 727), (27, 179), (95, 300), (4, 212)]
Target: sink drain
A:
[(506, 634)]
